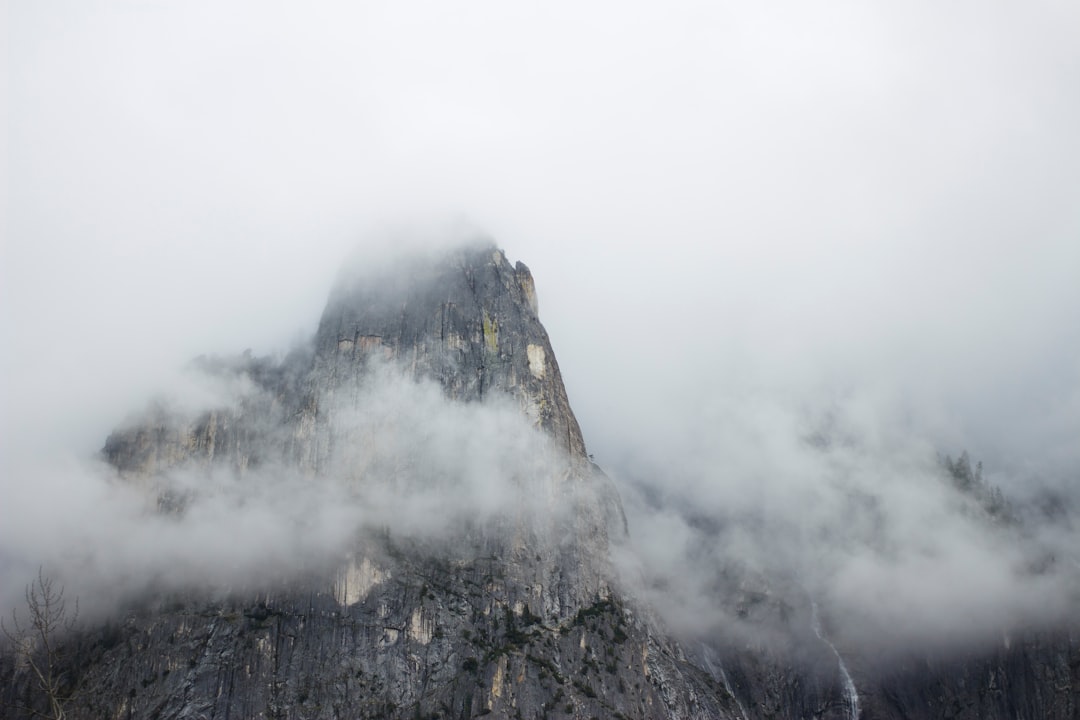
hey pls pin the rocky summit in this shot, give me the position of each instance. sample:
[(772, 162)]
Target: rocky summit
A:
[(476, 575)]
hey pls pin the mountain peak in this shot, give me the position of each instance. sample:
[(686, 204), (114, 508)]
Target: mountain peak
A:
[(369, 528), (466, 318)]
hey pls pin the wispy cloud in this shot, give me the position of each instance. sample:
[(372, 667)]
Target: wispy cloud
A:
[(741, 219)]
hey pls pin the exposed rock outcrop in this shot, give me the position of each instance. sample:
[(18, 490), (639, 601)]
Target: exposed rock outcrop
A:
[(513, 615), (511, 612)]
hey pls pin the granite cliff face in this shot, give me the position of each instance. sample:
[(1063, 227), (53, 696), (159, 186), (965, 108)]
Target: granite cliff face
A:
[(508, 607), (513, 613), (469, 321)]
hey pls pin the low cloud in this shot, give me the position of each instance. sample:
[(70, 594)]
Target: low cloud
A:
[(395, 456), (744, 509), (749, 226), (767, 508)]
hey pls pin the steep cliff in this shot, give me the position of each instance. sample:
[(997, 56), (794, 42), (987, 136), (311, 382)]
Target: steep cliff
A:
[(510, 611), (476, 575)]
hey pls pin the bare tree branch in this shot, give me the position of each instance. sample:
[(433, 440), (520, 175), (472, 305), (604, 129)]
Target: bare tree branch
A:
[(37, 645)]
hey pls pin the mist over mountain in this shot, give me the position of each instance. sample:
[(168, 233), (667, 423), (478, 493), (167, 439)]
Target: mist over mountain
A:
[(867, 522), (423, 439), (795, 261)]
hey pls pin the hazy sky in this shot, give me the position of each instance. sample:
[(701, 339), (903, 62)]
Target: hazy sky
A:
[(744, 219)]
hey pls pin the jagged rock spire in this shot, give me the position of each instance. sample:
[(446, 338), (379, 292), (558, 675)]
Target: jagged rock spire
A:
[(465, 317)]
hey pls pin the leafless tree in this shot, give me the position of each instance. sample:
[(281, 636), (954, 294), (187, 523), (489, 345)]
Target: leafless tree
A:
[(36, 642)]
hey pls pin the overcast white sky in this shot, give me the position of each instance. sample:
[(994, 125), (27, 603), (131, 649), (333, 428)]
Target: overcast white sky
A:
[(859, 204), (747, 222)]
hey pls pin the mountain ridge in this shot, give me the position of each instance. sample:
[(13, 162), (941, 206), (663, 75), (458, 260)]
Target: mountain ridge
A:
[(466, 567)]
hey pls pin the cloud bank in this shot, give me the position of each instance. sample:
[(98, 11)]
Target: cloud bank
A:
[(746, 223), (753, 519), (221, 503)]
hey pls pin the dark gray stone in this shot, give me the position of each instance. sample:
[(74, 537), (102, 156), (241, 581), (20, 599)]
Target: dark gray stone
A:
[(519, 618)]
